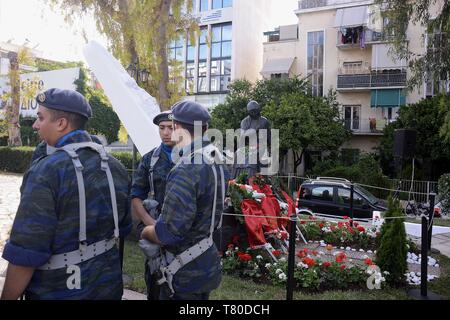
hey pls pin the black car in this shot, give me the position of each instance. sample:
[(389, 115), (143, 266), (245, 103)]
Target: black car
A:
[(331, 196)]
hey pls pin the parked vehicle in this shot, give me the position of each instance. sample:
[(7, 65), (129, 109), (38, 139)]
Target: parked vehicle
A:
[(331, 196)]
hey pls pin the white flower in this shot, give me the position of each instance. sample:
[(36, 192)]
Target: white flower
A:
[(268, 265), (259, 257), (282, 259), (278, 271), (302, 265), (282, 276)]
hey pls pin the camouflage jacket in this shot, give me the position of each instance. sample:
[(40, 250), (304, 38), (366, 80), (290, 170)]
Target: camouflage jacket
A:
[(47, 223), (141, 179), (186, 219)]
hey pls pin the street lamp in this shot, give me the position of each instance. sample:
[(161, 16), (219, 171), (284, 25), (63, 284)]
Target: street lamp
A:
[(140, 75)]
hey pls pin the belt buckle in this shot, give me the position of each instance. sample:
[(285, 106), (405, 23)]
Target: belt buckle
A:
[(83, 246)]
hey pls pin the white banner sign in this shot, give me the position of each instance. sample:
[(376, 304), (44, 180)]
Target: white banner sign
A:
[(61, 79)]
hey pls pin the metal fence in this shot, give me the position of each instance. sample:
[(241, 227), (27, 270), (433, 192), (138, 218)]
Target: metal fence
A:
[(418, 191)]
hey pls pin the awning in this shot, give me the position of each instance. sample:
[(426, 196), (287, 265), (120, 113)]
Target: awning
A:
[(275, 66), (387, 98), (382, 58), (351, 17)]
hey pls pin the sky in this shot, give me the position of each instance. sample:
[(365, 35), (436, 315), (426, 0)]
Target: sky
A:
[(32, 21)]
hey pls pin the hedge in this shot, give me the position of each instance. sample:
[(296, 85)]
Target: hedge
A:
[(15, 160), (18, 159)]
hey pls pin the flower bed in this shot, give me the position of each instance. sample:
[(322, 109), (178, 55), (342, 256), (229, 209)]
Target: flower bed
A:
[(341, 234), (313, 272)]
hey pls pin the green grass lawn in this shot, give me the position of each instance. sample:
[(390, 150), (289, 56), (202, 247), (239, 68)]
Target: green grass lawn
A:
[(235, 288)]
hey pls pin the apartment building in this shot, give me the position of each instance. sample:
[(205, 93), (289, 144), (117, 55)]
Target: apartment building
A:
[(342, 45), (229, 47)]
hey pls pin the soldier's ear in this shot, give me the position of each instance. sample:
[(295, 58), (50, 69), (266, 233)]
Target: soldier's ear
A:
[(63, 124)]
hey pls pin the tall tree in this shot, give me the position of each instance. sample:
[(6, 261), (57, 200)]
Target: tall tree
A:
[(19, 91), (139, 31), (434, 63)]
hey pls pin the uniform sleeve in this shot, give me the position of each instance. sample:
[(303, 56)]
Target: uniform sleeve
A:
[(179, 208), (141, 187), (35, 223)]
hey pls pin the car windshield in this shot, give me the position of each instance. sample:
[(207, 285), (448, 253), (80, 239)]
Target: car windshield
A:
[(372, 199)]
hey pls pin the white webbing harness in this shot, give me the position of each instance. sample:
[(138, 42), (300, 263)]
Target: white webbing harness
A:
[(177, 262), (85, 252)]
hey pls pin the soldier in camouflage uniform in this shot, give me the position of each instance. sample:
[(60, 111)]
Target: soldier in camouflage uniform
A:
[(48, 220), (162, 158), (187, 213)]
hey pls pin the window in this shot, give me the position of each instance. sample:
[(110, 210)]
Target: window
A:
[(204, 5), (221, 57), (176, 49), (315, 61), (190, 68), (352, 67), (344, 197), (217, 4), (322, 193), (202, 56), (352, 117)]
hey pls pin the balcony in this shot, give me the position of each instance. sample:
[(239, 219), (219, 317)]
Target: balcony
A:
[(371, 81), (370, 126), (311, 4)]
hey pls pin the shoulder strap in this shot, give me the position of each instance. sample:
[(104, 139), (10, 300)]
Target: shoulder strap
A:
[(154, 159), (71, 150)]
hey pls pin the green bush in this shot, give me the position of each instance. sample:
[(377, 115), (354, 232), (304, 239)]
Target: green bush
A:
[(126, 158), (444, 191), (15, 160), (392, 252)]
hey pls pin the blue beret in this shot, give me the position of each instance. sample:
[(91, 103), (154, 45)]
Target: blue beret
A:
[(163, 116), (188, 111), (65, 100)]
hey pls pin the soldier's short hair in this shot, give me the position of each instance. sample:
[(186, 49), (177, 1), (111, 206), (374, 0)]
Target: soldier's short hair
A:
[(76, 121)]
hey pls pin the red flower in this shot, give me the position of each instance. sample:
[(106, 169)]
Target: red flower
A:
[(230, 246), (310, 262), (345, 217), (340, 257), (276, 253), (321, 225), (340, 225), (350, 230), (332, 228), (314, 252), (306, 250), (343, 267), (368, 261), (242, 187), (301, 254), (312, 218), (326, 264), (244, 256), (361, 229), (355, 224), (302, 222)]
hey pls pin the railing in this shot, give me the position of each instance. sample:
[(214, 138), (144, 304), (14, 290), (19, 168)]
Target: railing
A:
[(372, 80), (310, 4), (418, 191), (370, 125)]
